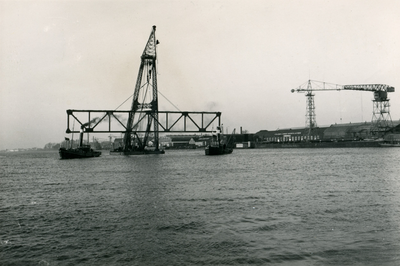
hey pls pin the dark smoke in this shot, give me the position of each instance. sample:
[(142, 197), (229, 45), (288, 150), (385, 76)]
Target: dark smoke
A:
[(91, 122), (104, 119)]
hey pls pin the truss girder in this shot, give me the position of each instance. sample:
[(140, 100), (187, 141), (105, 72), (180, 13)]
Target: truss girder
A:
[(169, 124)]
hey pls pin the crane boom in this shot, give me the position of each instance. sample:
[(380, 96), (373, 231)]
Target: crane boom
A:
[(369, 87), (313, 85)]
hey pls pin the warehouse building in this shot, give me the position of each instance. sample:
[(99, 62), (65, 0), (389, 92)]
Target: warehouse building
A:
[(335, 132)]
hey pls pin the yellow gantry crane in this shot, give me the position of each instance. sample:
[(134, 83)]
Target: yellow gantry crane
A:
[(381, 120)]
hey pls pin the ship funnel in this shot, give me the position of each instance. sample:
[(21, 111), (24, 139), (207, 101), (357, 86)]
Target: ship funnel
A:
[(81, 136)]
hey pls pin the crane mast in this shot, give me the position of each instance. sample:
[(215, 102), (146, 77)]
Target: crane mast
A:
[(310, 110), (144, 110), (381, 119)]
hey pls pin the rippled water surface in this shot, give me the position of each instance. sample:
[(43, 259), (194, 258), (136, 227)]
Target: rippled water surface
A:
[(252, 207)]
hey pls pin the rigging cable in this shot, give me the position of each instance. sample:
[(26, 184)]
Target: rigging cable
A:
[(169, 101), (123, 102), (158, 91)]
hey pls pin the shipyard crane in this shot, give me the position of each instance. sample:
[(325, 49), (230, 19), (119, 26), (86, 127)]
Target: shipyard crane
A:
[(381, 120), (145, 101), (144, 120)]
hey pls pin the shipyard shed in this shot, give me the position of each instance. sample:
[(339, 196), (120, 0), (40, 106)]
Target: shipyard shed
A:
[(335, 132), (344, 132), (394, 134), (188, 141), (290, 135), (239, 138)]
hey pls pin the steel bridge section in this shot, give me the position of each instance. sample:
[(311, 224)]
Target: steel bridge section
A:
[(184, 122)]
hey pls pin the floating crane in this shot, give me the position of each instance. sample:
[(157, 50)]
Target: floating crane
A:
[(381, 120), (145, 121)]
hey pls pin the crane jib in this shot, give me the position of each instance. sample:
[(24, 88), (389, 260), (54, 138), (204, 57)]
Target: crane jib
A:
[(369, 87)]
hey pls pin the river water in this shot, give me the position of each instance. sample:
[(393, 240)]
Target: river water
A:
[(252, 207)]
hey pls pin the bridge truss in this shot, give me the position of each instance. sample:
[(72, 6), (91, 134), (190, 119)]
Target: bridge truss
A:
[(114, 121)]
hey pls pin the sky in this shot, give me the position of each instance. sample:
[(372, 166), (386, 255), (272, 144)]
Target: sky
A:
[(241, 58)]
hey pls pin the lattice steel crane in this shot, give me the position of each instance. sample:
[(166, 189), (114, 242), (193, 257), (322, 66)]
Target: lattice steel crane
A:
[(144, 110), (381, 120), (145, 121)]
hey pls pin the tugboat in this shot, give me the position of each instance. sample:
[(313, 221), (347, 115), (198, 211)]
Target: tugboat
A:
[(217, 145), (83, 151)]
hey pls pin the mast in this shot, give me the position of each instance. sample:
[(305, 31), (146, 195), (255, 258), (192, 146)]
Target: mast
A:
[(145, 101), (310, 113)]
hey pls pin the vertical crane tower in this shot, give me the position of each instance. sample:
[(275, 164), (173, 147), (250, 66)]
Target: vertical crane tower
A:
[(381, 119), (144, 110)]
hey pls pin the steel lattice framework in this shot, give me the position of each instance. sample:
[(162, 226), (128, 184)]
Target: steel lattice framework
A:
[(172, 122), (144, 120), (310, 110), (147, 104), (381, 119)]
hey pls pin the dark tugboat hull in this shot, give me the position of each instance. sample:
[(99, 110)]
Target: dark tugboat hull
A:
[(78, 153), (217, 150)]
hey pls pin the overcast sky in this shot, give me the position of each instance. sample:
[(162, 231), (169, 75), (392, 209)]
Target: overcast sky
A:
[(238, 57)]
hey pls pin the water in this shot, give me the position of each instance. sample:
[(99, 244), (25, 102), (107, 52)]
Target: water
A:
[(252, 207)]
